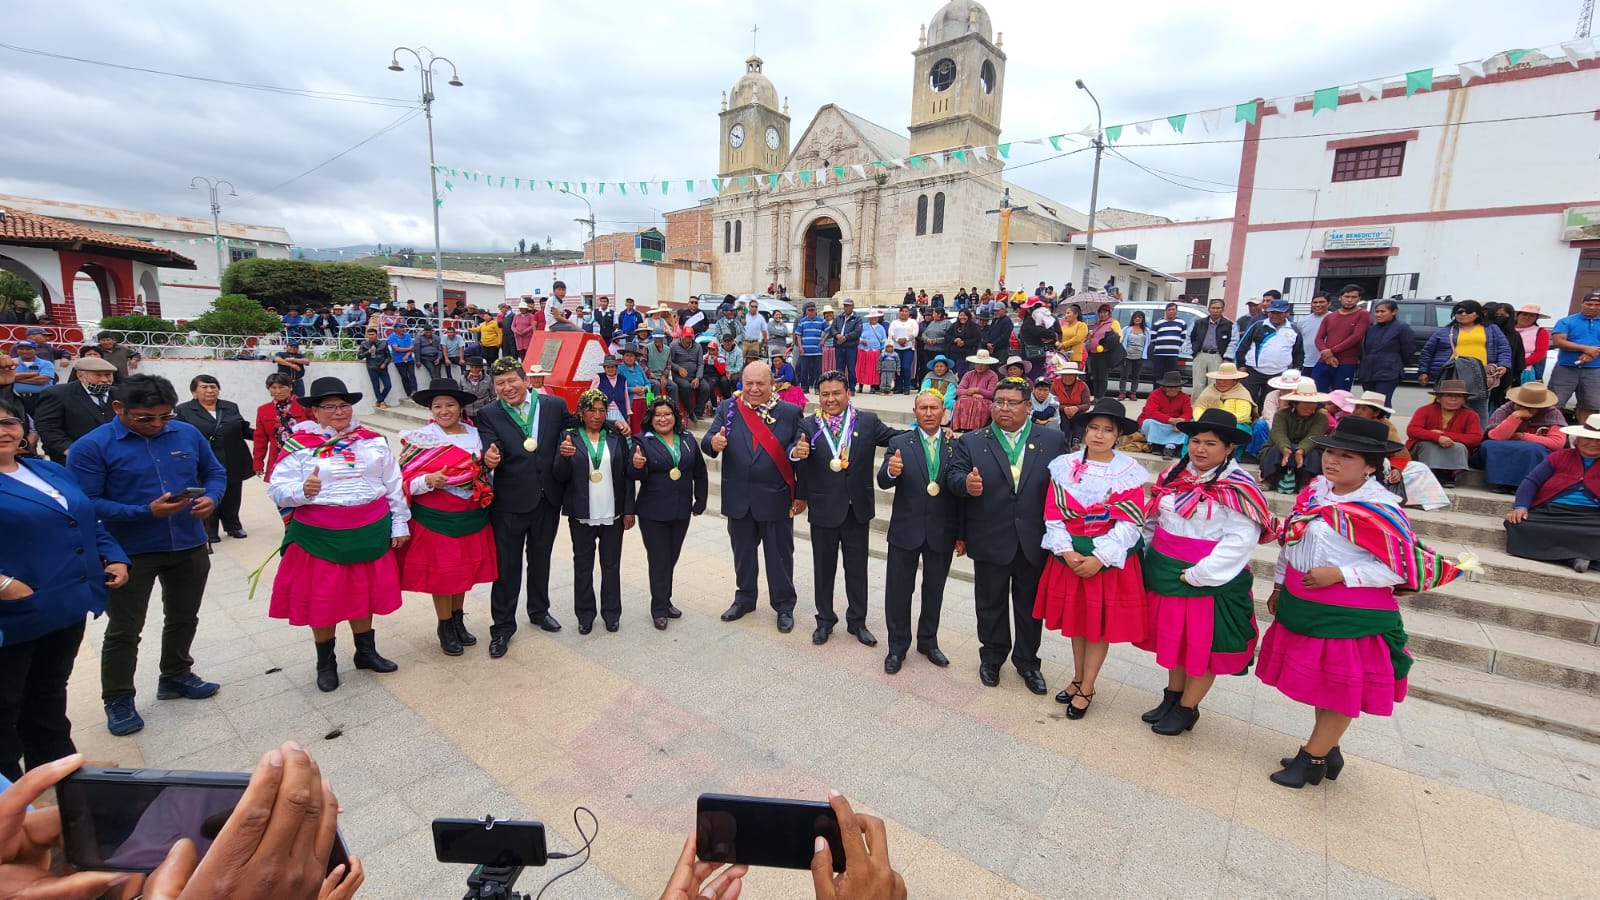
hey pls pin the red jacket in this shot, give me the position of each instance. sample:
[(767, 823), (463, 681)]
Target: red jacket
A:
[(1428, 422), (266, 438), (1161, 408)]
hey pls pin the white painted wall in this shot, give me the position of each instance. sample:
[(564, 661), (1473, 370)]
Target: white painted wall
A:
[(245, 381), (1058, 263), (1169, 248), (422, 289)]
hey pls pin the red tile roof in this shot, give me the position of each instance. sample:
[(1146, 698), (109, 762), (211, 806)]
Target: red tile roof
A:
[(31, 229)]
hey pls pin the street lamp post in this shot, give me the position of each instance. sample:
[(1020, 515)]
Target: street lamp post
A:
[(213, 185), (425, 63), (1094, 187), (594, 248)]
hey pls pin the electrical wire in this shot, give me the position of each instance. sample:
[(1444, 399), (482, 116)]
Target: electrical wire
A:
[(588, 841), (307, 93), (404, 118)]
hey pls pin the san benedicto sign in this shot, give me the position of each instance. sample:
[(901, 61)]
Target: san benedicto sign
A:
[(1358, 238)]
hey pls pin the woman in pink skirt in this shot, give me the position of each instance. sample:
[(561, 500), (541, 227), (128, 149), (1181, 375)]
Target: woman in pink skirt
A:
[(1205, 517), (975, 393), (346, 513), (867, 352), (446, 473), (1093, 585), (783, 383), (1337, 643)]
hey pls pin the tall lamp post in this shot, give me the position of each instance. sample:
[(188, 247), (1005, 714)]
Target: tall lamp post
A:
[(213, 185), (594, 248), (1094, 187), (425, 63)]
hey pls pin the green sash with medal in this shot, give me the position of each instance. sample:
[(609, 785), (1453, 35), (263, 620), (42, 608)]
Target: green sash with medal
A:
[(596, 453), (931, 453), (1013, 451), (673, 450), (528, 425)]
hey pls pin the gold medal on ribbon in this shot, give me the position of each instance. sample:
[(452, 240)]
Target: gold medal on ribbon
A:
[(835, 465), (674, 474), (1016, 474), (933, 489), (595, 476), (530, 445)]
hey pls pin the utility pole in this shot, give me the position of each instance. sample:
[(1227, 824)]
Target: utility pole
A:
[(213, 185), (1005, 211), (426, 66), (1094, 186), (1585, 19), (594, 246)]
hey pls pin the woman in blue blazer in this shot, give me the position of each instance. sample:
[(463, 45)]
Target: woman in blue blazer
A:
[(56, 564)]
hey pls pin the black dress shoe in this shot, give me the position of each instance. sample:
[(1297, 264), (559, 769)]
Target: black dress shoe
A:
[(864, 636), (674, 613), (736, 612), (613, 626), (237, 533), (1178, 719), (660, 622), (820, 636), (1034, 679), (497, 647), (891, 663), (213, 538), (1169, 699), (989, 674), (936, 656), (545, 622), (785, 622), (585, 627)]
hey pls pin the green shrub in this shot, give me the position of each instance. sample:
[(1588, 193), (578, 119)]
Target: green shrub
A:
[(13, 289), (138, 323), (236, 314), (296, 282)]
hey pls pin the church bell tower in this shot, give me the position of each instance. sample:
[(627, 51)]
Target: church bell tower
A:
[(754, 133), (959, 79)]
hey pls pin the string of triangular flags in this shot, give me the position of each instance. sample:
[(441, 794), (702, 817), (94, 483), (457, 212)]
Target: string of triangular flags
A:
[(1212, 120)]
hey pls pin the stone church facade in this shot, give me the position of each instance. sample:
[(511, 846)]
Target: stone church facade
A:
[(898, 227)]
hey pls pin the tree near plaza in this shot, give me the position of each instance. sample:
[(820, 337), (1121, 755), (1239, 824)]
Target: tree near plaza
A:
[(236, 314), (296, 282), (13, 288)]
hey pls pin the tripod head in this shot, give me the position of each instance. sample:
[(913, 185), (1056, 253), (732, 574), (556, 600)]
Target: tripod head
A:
[(494, 883)]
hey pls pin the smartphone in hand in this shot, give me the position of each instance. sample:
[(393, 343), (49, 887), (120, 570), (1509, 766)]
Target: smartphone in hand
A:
[(764, 831)]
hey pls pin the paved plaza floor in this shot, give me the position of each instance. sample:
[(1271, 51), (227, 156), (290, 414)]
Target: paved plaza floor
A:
[(988, 792)]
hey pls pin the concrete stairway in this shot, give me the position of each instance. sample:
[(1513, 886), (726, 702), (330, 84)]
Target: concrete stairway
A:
[(1521, 642)]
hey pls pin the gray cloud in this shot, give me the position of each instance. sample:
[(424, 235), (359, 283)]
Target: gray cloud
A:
[(628, 90)]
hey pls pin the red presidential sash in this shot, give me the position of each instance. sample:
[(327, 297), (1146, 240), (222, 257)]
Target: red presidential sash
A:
[(764, 438)]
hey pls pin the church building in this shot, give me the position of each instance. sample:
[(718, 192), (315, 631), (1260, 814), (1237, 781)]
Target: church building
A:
[(872, 237)]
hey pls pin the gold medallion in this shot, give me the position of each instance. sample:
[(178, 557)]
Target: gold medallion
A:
[(674, 474), (933, 489), (835, 465), (530, 445), (595, 477)]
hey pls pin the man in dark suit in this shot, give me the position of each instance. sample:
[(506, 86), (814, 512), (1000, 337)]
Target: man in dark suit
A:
[(834, 480), (1002, 471), (527, 497), (67, 412), (605, 320), (758, 433), (925, 525)]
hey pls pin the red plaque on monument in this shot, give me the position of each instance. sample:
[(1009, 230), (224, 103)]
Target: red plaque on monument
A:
[(571, 357)]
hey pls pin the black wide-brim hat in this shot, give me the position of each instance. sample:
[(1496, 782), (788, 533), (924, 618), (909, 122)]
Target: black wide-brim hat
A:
[(328, 386), (443, 387), (1110, 409), (1359, 435), (1219, 422), (1171, 379)]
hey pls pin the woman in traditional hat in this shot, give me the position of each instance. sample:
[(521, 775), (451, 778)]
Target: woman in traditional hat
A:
[(1337, 642), (1281, 386), (1521, 433), (1404, 477), (783, 383), (445, 469), (1092, 590), (614, 385), (872, 337), (1291, 448), (1227, 393), (940, 380), (1071, 392), (1166, 406), (1535, 340), (1016, 367), (1445, 432), (599, 508), (1204, 519), (1556, 516), (671, 472), (346, 513), (974, 393)]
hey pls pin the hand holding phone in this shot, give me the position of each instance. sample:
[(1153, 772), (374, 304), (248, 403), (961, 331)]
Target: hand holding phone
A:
[(30, 837), (867, 872)]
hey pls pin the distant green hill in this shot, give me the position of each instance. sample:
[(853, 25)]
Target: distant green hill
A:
[(480, 263)]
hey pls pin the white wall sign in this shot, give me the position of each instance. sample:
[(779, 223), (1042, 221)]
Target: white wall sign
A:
[(1358, 238)]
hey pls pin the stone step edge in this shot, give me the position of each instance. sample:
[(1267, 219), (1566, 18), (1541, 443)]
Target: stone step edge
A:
[(1521, 702)]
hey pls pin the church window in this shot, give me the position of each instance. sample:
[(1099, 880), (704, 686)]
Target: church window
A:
[(727, 237), (938, 213), (738, 236), (922, 215), (986, 77), (942, 75)]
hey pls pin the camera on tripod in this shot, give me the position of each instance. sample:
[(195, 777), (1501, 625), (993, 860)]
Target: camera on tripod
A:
[(499, 849)]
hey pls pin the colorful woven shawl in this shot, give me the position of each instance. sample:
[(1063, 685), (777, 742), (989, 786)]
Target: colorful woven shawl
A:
[(459, 468), (1236, 491), (322, 446), (1379, 529), (1120, 506)]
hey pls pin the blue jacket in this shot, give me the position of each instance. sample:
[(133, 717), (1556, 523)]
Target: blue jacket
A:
[(121, 472), (1441, 348), (60, 553), (1386, 350)]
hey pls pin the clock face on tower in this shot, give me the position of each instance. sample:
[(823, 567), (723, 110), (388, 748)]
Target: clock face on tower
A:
[(736, 137), (772, 138)]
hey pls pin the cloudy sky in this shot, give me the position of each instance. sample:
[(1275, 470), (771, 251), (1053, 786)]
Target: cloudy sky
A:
[(629, 90)]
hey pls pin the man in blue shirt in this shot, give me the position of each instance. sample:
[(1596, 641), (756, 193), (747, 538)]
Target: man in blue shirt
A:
[(1577, 338), (34, 374), (402, 346), (629, 319), (137, 469), (808, 333)]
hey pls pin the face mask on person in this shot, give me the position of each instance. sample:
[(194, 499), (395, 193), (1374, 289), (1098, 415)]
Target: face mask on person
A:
[(97, 390)]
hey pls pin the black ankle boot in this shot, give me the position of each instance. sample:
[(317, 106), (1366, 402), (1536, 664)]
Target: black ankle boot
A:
[(1169, 699), (459, 619), (1178, 719), (327, 666), (367, 655), (449, 642), (1335, 763), (1304, 769)]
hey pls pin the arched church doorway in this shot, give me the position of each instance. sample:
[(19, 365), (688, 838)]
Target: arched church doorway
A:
[(824, 258)]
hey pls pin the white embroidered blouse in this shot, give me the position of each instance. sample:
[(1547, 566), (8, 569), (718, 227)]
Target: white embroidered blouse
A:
[(1095, 482)]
